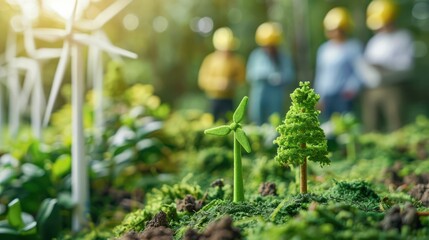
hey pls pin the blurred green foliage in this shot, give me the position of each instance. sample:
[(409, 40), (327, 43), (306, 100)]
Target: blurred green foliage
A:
[(172, 38)]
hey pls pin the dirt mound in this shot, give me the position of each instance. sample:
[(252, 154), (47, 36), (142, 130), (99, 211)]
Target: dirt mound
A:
[(189, 204), (156, 229), (218, 230), (396, 218), (267, 188), (421, 193)]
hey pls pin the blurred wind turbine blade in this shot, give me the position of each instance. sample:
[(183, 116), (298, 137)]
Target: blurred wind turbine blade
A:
[(49, 34), (106, 46), (26, 90), (23, 63), (110, 12), (10, 46), (29, 66), (58, 77), (29, 44), (70, 21), (47, 53), (103, 37)]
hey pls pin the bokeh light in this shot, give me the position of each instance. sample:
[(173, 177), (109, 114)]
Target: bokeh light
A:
[(202, 25), (421, 10), (160, 24), (131, 22)]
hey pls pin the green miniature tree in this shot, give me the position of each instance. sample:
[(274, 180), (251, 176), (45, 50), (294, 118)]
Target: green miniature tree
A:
[(240, 140), (301, 137)]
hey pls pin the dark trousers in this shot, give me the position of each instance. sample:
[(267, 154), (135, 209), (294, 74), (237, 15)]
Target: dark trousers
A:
[(220, 107), (336, 104)]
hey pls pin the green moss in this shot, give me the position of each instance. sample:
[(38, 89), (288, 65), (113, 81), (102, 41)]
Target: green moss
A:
[(355, 193), (135, 221), (167, 194)]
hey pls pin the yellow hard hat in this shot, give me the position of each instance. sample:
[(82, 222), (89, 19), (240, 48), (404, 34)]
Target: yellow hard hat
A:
[(380, 13), (269, 34), (224, 40), (337, 18)]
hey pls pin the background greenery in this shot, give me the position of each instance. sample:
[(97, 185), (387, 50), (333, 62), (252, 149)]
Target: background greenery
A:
[(171, 48)]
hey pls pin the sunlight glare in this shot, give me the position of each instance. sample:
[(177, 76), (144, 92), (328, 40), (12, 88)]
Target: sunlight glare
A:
[(64, 8)]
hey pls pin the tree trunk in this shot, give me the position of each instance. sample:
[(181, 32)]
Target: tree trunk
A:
[(303, 175)]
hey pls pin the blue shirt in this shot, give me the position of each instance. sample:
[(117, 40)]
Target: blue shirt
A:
[(260, 68), (336, 68)]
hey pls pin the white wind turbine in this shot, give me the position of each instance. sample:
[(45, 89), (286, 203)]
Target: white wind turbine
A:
[(95, 57), (30, 65), (72, 46)]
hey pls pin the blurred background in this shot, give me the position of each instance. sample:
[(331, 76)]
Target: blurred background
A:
[(171, 39)]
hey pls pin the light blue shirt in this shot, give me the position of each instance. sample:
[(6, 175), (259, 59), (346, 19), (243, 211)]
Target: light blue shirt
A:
[(260, 68), (336, 68), (267, 80)]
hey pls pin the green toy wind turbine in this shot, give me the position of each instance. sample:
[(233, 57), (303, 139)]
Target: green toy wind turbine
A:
[(240, 140)]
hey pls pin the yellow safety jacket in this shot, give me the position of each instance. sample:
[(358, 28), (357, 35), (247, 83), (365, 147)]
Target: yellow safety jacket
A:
[(220, 73)]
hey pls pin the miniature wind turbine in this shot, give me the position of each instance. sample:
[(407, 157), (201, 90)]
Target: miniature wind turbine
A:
[(95, 64), (72, 46), (31, 65)]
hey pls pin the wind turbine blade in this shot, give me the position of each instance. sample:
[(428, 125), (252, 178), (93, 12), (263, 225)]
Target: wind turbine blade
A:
[(10, 46), (58, 77), (47, 53), (109, 13), (218, 131), (89, 40), (102, 35), (49, 34), (242, 139), (26, 89), (29, 44), (239, 112)]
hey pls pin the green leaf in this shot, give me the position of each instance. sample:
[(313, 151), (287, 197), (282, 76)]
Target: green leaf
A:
[(49, 219), (218, 131), (29, 229), (239, 112), (14, 214), (62, 166), (242, 139)]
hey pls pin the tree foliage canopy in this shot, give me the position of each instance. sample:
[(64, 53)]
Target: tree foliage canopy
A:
[(300, 134)]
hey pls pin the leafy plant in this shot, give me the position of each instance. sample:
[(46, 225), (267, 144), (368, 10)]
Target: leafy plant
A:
[(49, 219), (240, 140), (301, 137), (15, 226), (347, 128)]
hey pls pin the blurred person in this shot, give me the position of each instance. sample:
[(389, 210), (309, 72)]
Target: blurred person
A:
[(269, 71), (388, 63), (336, 79), (221, 72)]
